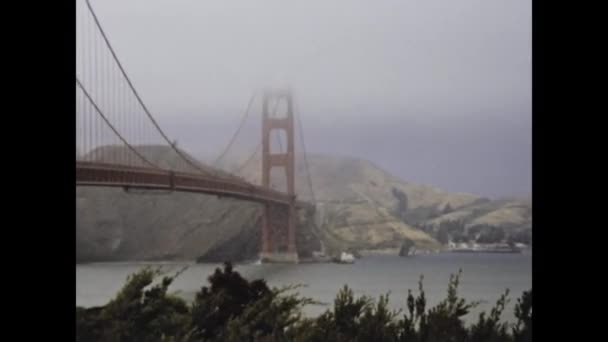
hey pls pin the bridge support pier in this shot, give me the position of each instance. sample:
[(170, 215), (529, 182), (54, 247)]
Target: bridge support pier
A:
[(279, 258), (278, 234), (279, 222)]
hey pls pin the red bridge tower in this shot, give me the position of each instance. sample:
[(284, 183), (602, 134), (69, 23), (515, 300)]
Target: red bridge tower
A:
[(278, 222)]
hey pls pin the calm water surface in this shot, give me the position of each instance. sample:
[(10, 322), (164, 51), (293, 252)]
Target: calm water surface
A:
[(485, 277)]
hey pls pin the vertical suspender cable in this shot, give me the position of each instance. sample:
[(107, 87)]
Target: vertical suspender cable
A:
[(128, 80)]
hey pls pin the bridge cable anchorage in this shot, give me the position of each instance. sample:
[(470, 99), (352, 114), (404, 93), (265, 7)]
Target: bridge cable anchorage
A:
[(112, 127), (143, 106), (234, 136), (301, 131)]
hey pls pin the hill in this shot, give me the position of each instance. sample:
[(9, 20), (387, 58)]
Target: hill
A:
[(361, 206), (358, 206), (113, 225)]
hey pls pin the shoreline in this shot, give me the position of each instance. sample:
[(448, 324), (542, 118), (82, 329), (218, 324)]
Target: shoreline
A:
[(308, 260)]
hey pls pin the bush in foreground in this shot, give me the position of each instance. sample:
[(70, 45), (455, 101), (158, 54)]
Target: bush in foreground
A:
[(232, 308)]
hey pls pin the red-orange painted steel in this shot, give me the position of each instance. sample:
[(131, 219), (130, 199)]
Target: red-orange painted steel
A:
[(274, 223), (110, 175)]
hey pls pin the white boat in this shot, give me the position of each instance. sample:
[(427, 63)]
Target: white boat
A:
[(347, 258)]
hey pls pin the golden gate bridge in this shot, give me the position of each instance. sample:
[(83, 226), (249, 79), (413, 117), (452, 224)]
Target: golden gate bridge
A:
[(115, 130)]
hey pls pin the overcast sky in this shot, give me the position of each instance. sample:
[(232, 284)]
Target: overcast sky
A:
[(433, 91)]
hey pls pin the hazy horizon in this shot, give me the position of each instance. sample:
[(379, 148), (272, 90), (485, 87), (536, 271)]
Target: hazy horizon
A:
[(434, 92)]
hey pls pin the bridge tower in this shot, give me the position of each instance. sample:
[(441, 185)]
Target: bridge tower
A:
[(278, 222)]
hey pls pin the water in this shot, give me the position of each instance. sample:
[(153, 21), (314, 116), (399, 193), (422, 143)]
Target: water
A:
[(485, 277)]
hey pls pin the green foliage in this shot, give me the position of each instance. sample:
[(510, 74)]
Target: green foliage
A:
[(490, 328), (473, 232), (139, 312), (453, 230), (522, 236), (406, 247), (442, 235), (402, 203), (454, 226), (271, 317), (378, 322), (447, 209), (416, 307), (491, 234), (522, 331), (444, 321), (352, 319), (232, 308), (459, 237), (228, 295)]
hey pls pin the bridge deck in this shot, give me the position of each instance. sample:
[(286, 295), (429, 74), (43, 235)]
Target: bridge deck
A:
[(111, 175)]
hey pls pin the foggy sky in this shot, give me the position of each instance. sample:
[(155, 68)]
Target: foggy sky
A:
[(436, 92)]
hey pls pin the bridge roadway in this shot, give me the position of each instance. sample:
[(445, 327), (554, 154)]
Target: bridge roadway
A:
[(112, 175)]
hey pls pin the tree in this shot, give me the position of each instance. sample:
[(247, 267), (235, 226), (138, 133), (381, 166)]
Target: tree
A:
[(444, 321), (406, 247), (473, 232), (522, 332), (447, 209), (232, 308), (490, 328), (491, 234), (225, 298), (442, 235), (522, 236), (455, 227), (459, 237), (402, 203), (136, 314)]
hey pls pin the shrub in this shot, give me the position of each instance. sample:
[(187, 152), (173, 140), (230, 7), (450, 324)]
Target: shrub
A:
[(136, 313), (232, 308)]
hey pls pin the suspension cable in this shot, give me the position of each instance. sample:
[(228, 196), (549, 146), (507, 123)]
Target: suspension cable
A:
[(257, 149), (112, 127), (233, 139), (137, 94), (248, 160)]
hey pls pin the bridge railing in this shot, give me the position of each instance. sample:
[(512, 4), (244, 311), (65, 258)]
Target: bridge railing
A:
[(100, 174)]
